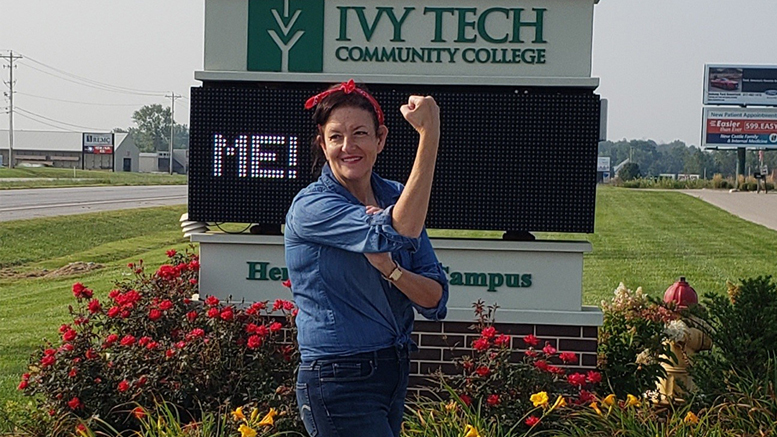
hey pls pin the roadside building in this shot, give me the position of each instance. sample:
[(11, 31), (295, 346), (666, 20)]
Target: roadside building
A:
[(66, 150), (159, 162)]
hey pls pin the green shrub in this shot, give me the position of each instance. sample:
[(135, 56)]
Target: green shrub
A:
[(632, 341), (743, 328), (150, 342)]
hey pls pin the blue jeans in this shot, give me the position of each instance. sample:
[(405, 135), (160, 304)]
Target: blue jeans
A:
[(355, 395)]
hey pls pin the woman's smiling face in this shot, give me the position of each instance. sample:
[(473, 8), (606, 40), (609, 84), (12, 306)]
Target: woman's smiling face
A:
[(351, 144)]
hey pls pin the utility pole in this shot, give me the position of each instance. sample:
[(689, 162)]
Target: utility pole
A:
[(11, 57), (172, 96)]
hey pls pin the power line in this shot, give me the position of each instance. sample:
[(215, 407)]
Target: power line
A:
[(47, 124), (86, 79), (76, 102), (56, 121), (91, 85)]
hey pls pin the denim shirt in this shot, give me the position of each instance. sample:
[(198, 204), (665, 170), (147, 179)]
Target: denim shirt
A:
[(345, 305)]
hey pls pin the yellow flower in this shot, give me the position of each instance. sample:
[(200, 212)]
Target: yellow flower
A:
[(254, 413), (560, 402), (632, 401), (596, 408), (540, 399), (268, 419), (450, 406), (238, 414), (246, 431), (471, 431), (691, 418), (609, 400)]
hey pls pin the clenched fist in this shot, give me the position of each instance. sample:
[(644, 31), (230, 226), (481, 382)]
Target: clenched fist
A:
[(423, 114)]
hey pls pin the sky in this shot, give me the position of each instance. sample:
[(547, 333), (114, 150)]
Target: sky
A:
[(649, 56)]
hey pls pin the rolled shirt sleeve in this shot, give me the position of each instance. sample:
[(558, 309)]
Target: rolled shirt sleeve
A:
[(327, 218), (424, 262)]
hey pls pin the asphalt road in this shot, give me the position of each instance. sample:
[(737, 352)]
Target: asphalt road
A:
[(757, 208), (48, 202)]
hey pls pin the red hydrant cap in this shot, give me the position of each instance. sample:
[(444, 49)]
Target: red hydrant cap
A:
[(681, 293)]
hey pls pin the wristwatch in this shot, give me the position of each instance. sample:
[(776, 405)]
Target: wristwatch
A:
[(395, 274)]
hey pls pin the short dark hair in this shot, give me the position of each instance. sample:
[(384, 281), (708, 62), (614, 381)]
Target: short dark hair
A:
[(324, 110)]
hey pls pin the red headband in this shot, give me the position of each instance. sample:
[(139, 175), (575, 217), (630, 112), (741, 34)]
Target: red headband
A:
[(348, 88)]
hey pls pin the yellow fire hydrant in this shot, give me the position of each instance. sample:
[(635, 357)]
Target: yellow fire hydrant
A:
[(684, 342)]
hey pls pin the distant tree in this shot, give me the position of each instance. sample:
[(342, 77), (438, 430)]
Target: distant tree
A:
[(152, 133), (629, 171), (119, 130)]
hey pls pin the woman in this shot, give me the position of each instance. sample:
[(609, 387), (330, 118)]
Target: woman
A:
[(360, 261)]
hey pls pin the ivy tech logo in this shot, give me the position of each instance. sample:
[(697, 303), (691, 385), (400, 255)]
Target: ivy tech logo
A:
[(286, 35)]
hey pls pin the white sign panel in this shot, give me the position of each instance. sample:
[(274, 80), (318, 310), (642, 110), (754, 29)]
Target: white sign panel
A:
[(603, 163), (442, 38), (740, 85), (98, 143), (731, 128)]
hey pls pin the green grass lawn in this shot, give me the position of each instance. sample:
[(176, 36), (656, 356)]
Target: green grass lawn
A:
[(63, 177), (643, 238)]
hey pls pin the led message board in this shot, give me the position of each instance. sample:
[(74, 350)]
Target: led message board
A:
[(511, 159)]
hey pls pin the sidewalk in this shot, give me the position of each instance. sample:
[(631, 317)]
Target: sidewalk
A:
[(757, 208)]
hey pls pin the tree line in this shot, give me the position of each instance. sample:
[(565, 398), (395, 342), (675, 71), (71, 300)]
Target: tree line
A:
[(151, 132), (676, 157)]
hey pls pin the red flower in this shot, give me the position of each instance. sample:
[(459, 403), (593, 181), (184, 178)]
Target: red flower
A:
[(593, 377), (556, 370), (196, 333), (532, 420), (64, 328), (294, 312), (90, 354), (49, 351), (191, 315), (125, 314), (112, 338), (47, 361), (81, 429), (227, 315), (23, 385), (480, 344), (113, 294), (167, 271), (141, 381), (81, 292), (483, 371), (127, 340), (262, 330), (213, 313), (123, 386), (212, 301), (286, 283), (541, 364), (254, 341), (489, 332), (531, 340), (468, 365), (585, 397), (193, 281), (155, 315), (275, 327), (144, 340), (152, 345), (251, 328), (493, 400), (67, 347), (577, 379), (549, 349), (568, 357), (502, 340), (69, 335), (169, 353), (180, 345), (465, 399), (171, 253), (75, 404), (165, 305), (282, 304), (113, 312), (73, 372), (94, 306), (139, 413)]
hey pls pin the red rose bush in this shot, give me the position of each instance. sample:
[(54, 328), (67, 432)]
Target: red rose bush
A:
[(150, 341)]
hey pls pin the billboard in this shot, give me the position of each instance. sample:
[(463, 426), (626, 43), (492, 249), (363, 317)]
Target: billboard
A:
[(98, 143), (740, 85), (731, 128), (603, 163)]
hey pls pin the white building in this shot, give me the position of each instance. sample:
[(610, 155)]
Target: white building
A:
[(65, 149)]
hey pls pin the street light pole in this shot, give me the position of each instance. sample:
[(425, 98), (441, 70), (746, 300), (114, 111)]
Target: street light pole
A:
[(172, 96)]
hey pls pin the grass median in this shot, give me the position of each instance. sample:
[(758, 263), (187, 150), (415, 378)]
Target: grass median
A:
[(46, 177), (643, 238)]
